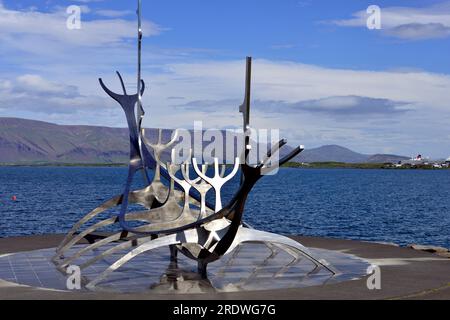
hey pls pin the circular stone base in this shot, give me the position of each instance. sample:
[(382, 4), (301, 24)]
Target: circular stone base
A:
[(250, 267)]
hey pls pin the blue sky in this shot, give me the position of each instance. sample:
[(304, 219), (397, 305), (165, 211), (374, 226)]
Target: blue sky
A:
[(319, 73)]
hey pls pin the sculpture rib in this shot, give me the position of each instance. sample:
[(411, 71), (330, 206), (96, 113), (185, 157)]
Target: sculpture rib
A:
[(169, 220), (173, 239), (143, 197), (246, 235), (191, 236)]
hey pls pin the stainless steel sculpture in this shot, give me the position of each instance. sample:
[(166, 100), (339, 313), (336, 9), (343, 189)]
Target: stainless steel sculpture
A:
[(174, 215)]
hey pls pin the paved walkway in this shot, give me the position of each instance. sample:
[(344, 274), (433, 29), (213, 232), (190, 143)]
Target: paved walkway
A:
[(405, 274)]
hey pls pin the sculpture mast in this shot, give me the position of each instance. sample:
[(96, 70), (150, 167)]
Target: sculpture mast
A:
[(140, 109), (244, 108)]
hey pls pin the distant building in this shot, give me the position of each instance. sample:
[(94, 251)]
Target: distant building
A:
[(418, 160)]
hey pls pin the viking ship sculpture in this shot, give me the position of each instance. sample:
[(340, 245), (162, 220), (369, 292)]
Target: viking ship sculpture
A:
[(175, 216)]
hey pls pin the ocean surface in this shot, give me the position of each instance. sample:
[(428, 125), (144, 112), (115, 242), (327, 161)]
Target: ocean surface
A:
[(400, 206)]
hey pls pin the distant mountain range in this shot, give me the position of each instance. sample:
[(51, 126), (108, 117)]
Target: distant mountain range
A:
[(30, 141), (334, 153)]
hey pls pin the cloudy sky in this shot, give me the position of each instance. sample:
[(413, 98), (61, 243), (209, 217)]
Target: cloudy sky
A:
[(319, 74)]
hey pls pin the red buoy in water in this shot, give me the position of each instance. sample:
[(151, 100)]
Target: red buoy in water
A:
[(14, 198)]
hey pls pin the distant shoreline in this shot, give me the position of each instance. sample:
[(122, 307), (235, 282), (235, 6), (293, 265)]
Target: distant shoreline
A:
[(369, 166), (63, 164), (313, 165)]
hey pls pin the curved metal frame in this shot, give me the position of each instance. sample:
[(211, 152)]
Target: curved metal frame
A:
[(204, 236)]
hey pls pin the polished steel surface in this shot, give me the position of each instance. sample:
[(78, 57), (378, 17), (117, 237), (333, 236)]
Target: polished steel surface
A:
[(174, 216), (250, 267), (218, 181)]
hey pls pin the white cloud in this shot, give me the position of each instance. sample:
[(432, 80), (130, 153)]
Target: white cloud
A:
[(312, 105), (342, 106), (33, 93), (417, 31), (114, 13), (56, 80), (35, 83), (293, 82), (52, 27), (407, 22), (361, 109)]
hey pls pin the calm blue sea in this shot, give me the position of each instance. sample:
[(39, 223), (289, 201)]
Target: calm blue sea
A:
[(401, 206)]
